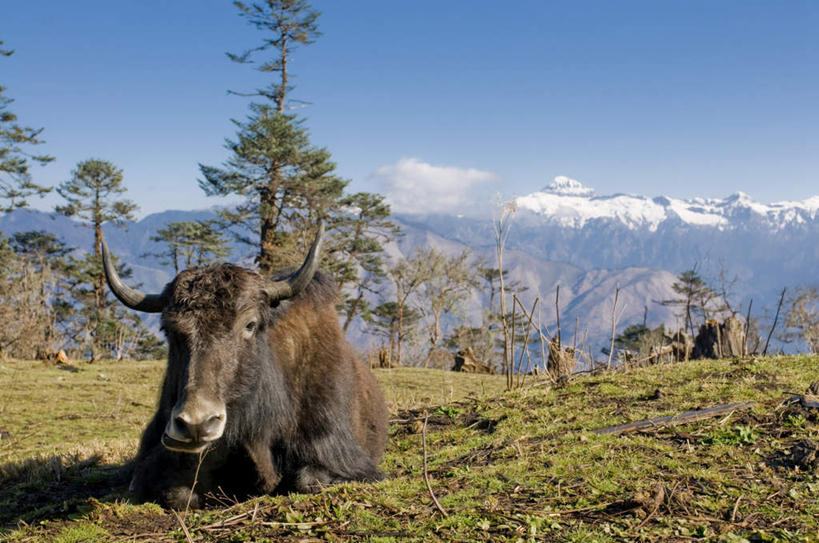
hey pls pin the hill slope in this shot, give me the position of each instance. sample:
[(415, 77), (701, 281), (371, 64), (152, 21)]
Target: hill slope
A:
[(513, 466)]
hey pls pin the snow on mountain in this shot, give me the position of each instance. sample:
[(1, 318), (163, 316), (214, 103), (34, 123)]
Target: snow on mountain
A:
[(567, 203)]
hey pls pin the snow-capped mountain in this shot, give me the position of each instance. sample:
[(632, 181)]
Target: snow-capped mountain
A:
[(568, 203), (752, 249)]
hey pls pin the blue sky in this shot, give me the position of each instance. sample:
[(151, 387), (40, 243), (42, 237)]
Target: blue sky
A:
[(684, 98)]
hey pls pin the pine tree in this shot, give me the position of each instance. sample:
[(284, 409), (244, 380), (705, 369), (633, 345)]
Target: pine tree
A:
[(16, 185), (355, 255), (190, 243), (288, 183), (92, 196), (694, 295)]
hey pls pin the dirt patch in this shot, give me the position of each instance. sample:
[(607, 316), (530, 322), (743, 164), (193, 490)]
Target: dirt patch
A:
[(411, 421), (138, 524), (480, 423), (483, 456), (48, 489), (802, 455)]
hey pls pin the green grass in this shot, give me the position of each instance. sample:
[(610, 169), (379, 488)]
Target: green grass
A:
[(505, 466)]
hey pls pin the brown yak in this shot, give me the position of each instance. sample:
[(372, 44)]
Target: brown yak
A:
[(262, 391)]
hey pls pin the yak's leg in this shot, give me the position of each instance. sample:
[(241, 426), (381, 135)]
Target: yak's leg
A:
[(269, 476), (343, 460), (176, 480), (311, 479)]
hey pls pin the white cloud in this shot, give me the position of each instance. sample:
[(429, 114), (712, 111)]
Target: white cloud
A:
[(414, 186)]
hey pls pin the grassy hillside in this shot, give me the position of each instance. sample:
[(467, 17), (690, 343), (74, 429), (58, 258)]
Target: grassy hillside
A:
[(505, 466)]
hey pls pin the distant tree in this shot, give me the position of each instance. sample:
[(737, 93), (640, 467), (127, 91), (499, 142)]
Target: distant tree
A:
[(31, 293), (45, 265), (640, 340), (356, 251), (16, 185), (694, 295), (802, 321), (92, 195), (190, 243), (631, 338), (407, 277), (449, 281), (492, 324), (384, 323)]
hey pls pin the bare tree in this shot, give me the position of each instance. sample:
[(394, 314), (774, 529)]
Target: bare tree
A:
[(501, 225), (449, 281), (407, 276), (802, 321)]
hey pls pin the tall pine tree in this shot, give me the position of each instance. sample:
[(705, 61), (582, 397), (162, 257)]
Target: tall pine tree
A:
[(92, 195), (288, 183), (16, 185)]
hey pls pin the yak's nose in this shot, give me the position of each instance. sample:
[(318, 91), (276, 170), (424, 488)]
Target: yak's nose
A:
[(185, 430), (191, 429)]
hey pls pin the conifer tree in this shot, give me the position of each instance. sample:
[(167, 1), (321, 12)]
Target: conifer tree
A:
[(92, 195), (16, 184), (190, 243), (694, 295), (356, 253), (288, 183)]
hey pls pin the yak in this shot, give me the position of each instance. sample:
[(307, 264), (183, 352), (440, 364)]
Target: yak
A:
[(262, 392)]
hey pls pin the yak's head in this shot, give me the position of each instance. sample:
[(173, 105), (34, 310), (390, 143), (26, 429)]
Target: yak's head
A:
[(215, 319)]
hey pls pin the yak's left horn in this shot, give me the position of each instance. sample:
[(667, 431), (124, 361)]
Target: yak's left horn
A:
[(148, 303), (287, 288)]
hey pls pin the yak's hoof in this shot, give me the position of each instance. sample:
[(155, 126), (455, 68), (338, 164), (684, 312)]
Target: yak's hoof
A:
[(312, 479), (180, 498)]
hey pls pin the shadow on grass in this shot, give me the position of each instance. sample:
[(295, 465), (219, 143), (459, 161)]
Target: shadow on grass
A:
[(56, 487)]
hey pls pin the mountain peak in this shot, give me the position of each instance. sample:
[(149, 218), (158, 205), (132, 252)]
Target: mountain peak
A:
[(568, 187)]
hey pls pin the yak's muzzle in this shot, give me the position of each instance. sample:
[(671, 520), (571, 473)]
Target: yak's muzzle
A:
[(194, 426)]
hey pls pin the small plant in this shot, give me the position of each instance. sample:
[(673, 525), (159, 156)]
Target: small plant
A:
[(796, 421), (738, 435), (450, 412)]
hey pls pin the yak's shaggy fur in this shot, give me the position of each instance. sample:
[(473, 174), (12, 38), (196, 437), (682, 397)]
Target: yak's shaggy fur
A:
[(302, 410)]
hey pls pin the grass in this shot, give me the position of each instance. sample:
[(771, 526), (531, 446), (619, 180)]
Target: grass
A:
[(505, 466)]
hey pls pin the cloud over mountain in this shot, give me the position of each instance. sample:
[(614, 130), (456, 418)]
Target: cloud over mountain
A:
[(414, 186)]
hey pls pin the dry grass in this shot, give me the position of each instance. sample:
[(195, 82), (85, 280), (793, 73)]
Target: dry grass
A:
[(505, 466)]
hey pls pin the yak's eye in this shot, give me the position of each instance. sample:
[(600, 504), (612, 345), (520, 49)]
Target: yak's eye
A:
[(251, 326)]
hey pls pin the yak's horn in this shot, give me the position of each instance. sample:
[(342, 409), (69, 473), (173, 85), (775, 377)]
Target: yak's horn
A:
[(148, 303), (287, 288)]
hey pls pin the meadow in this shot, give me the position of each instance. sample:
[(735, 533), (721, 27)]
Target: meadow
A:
[(521, 465)]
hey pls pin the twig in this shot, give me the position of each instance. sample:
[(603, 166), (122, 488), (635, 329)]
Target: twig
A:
[(613, 323), (184, 528), (747, 327), (195, 479), (274, 524), (776, 319), (426, 471), (230, 521), (734, 512), (657, 501), (557, 312), (580, 509), (688, 416), (525, 350)]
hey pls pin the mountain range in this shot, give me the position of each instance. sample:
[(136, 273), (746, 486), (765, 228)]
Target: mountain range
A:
[(567, 235)]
